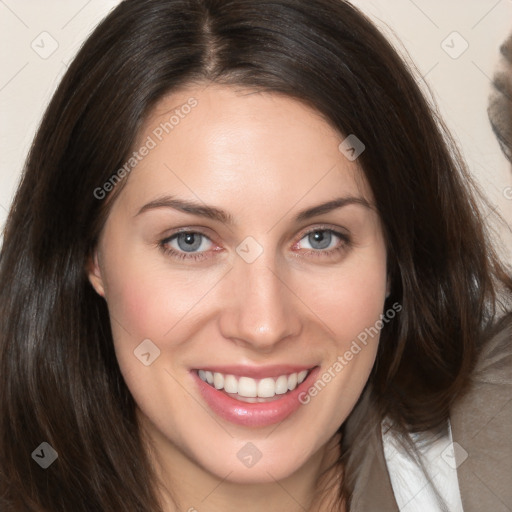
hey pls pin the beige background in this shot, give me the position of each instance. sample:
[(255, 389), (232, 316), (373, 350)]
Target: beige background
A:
[(38, 38)]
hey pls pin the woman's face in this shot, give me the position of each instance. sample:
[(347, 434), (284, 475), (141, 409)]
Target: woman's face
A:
[(245, 249)]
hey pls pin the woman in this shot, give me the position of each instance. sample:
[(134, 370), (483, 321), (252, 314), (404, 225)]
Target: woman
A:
[(500, 104), (241, 246)]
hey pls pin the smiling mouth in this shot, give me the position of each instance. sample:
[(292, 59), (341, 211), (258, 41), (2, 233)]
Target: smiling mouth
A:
[(247, 389)]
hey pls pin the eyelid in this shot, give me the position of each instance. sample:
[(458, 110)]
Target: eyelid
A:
[(323, 227), (302, 233), (205, 232), (344, 243), (183, 255), (186, 229)]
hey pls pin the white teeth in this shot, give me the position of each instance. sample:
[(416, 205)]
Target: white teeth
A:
[(230, 384), (247, 387), (266, 388), (281, 385), (218, 380), (251, 388), (292, 381)]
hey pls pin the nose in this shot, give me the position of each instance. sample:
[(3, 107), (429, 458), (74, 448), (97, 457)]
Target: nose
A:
[(260, 309)]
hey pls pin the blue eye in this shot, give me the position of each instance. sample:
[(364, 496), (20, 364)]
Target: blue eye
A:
[(192, 245), (186, 244), (320, 239), (189, 242)]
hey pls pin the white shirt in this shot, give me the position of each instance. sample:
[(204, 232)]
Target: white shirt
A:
[(413, 492)]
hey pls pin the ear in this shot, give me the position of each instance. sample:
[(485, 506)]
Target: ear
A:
[(94, 274)]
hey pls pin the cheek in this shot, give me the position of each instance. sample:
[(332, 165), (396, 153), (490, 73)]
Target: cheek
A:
[(350, 304), (352, 298), (149, 299)]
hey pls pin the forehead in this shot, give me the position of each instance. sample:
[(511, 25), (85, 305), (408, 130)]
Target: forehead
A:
[(222, 143)]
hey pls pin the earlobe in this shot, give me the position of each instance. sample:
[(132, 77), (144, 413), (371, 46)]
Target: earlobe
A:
[(94, 274), (388, 287)]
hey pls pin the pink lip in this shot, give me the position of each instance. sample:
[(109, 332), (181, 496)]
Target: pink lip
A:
[(254, 414)]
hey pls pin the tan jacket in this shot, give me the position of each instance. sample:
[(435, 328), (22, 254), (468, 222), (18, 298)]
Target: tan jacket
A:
[(481, 423)]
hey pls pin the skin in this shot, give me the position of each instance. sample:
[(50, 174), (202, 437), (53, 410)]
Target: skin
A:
[(263, 158)]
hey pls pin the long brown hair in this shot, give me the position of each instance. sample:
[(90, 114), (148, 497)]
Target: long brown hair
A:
[(61, 383)]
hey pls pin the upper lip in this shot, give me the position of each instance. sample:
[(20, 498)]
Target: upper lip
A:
[(257, 372)]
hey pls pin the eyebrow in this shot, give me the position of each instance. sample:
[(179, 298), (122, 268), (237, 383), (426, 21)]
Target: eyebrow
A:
[(217, 214)]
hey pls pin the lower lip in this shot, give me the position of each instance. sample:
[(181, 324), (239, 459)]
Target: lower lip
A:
[(253, 414)]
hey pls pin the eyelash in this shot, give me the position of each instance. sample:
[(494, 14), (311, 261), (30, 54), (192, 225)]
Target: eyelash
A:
[(318, 253)]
